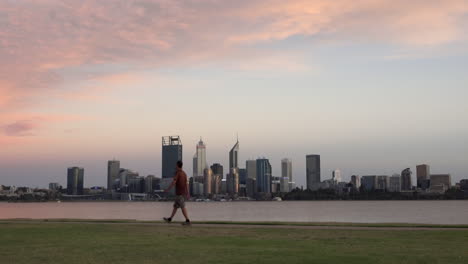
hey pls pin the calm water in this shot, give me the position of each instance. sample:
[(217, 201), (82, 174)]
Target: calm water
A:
[(430, 212)]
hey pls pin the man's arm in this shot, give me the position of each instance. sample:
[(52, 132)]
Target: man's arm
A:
[(172, 184)]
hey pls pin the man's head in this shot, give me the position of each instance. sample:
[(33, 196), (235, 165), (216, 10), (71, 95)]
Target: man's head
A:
[(179, 164)]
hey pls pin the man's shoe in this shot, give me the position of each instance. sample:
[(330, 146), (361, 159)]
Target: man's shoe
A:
[(167, 220), (187, 223)]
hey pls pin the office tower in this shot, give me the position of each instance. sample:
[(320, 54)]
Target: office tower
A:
[(406, 184), (443, 181), (251, 187), (251, 169), (286, 169), (263, 176), (242, 176), (216, 184), (171, 153), (208, 181), (149, 183), (383, 183), (136, 184), (284, 184), (217, 169), (234, 156), (199, 159), (395, 183), (113, 169), (369, 183), (336, 176), (313, 171), (75, 181), (54, 186), (423, 176), (232, 181), (356, 181)]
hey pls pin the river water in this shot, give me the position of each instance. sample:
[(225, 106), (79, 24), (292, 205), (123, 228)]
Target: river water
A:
[(428, 212)]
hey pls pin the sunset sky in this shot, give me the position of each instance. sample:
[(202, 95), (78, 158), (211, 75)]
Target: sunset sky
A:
[(374, 86)]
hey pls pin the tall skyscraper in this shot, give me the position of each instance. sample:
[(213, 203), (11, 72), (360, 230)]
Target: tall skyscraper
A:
[(217, 169), (75, 181), (199, 159), (208, 181), (113, 168), (263, 176), (423, 174), (232, 181), (171, 153), (286, 169), (313, 171), (406, 184), (234, 156), (251, 167), (336, 176), (242, 176)]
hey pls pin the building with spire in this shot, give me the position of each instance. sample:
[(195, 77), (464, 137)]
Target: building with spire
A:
[(199, 159), (234, 156)]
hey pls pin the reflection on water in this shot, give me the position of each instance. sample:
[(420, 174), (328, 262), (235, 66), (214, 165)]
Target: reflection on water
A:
[(430, 212)]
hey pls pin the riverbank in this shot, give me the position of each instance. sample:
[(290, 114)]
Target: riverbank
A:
[(124, 241)]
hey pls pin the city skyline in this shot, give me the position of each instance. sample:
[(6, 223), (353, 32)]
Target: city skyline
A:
[(373, 86), (174, 143)]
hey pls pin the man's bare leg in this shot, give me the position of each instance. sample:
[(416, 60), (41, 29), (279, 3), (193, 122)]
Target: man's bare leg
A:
[(174, 211), (168, 220)]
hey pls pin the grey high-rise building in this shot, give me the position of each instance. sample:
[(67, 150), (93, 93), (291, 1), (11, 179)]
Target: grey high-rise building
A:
[(217, 169), (395, 183), (369, 182), (75, 181), (313, 171), (171, 153), (383, 183), (423, 174), (234, 156), (286, 169), (251, 167), (406, 184), (113, 169), (199, 159), (263, 176), (242, 176)]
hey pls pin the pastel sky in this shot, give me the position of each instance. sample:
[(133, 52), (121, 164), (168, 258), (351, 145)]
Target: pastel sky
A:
[(374, 86)]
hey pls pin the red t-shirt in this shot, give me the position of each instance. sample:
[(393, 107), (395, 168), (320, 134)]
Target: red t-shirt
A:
[(181, 182)]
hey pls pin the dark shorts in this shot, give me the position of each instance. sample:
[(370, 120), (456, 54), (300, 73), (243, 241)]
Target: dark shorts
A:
[(179, 201)]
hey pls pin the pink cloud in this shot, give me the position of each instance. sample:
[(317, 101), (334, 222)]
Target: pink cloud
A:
[(39, 40), (20, 128)]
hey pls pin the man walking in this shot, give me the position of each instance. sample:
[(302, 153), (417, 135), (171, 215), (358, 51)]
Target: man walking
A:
[(182, 193)]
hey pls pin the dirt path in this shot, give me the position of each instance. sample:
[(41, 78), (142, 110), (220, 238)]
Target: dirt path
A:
[(253, 225)]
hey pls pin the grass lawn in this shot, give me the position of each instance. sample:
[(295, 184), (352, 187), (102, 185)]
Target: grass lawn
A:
[(143, 243)]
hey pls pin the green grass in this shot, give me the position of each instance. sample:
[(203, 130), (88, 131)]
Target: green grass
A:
[(94, 242)]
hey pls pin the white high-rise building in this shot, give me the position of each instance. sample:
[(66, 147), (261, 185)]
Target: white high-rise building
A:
[(199, 160), (336, 176), (286, 169)]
